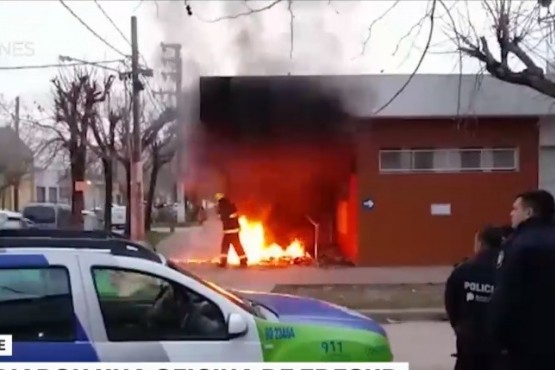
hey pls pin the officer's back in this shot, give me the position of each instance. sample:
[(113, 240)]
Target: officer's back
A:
[(523, 307), (468, 292)]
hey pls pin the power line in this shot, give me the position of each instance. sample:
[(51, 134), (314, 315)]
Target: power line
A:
[(57, 65), (90, 29), (145, 81), (112, 22)]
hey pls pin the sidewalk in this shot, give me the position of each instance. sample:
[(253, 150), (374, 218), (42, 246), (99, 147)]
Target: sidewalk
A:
[(202, 243)]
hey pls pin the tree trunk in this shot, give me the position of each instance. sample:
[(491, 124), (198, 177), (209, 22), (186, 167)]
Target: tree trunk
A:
[(16, 195), (78, 167), (150, 195), (108, 191), (127, 167)]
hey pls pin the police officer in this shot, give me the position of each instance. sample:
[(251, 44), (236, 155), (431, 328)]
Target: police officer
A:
[(230, 221), (467, 294), (523, 306)]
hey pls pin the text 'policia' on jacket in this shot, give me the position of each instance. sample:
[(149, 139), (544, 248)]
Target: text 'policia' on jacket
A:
[(467, 295), (229, 216)]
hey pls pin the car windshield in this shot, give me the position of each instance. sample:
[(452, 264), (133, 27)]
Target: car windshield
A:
[(40, 214), (243, 303)]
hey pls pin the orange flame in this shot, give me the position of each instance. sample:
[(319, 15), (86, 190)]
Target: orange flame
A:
[(254, 241)]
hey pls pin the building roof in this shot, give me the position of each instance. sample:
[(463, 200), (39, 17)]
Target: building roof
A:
[(12, 147), (427, 95)]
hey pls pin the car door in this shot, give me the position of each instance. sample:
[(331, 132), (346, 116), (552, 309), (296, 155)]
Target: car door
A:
[(41, 307), (121, 296)]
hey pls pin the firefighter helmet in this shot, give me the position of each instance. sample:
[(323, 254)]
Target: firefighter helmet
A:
[(219, 196)]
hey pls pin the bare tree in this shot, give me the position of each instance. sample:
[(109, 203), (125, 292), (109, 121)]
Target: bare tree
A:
[(519, 31), (152, 125), (105, 129), (161, 152), (76, 95)]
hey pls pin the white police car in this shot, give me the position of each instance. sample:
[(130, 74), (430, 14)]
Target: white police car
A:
[(70, 299)]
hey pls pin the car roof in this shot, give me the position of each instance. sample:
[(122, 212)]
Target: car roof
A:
[(48, 205), (9, 213), (76, 240)]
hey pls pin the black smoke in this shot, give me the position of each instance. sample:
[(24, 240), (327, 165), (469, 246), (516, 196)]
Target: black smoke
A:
[(284, 144), (268, 108)]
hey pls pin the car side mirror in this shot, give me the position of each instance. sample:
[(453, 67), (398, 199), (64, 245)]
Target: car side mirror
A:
[(236, 326)]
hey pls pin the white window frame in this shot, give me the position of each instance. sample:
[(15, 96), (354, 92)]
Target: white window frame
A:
[(451, 153)]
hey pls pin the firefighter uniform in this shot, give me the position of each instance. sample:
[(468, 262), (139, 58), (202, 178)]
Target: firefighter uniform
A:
[(468, 291), (230, 222)]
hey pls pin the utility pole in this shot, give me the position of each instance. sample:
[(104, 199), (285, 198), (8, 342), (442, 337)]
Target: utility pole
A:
[(16, 182), (175, 62), (136, 201)]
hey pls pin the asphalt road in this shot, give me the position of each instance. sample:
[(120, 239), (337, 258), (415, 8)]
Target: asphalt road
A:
[(425, 345)]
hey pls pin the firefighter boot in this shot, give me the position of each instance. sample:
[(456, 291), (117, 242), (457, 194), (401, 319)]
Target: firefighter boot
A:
[(223, 261), (243, 261)]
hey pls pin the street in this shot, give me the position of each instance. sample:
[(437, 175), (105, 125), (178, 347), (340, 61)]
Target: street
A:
[(425, 345)]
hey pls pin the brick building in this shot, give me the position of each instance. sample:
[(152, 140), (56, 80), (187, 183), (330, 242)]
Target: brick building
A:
[(444, 158)]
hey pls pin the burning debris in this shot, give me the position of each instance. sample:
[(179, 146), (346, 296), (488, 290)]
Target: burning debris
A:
[(262, 253)]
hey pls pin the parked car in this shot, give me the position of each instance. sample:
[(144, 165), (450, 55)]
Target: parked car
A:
[(48, 215), (119, 216), (112, 300), (14, 220)]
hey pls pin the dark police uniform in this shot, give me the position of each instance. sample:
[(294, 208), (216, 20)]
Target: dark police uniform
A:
[(230, 221), (523, 306), (468, 291)]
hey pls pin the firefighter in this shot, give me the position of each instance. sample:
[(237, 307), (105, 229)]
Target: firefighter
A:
[(467, 294), (230, 221)]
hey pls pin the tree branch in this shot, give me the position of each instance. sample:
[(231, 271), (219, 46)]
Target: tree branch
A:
[(422, 56), (509, 39), (248, 12)]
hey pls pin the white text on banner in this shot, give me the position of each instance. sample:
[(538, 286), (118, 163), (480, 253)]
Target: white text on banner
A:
[(5, 345), (206, 366)]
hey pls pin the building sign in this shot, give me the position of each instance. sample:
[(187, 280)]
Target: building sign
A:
[(440, 209), (368, 204)]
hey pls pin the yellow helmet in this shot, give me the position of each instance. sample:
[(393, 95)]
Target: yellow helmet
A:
[(218, 196)]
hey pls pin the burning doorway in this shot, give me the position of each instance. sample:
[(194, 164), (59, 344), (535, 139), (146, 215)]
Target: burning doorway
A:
[(283, 149)]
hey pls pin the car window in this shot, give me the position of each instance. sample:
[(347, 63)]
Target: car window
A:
[(245, 305), (137, 306), (40, 214), (36, 304)]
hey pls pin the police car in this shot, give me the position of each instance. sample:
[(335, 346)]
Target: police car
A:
[(88, 297)]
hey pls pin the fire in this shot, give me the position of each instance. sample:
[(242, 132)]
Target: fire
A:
[(258, 251)]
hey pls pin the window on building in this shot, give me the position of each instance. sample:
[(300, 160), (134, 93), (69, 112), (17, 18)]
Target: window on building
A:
[(423, 160), (65, 194), (448, 160), (395, 160), (53, 195), (41, 194), (173, 312), (36, 304), (471, 159), (504, 159)]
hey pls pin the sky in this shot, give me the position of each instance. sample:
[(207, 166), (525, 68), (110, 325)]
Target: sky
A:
[(327, 36)]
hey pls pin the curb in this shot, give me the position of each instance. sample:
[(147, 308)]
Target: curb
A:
[(391, 316)]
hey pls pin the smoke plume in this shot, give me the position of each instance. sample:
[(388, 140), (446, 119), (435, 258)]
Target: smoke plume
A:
[(281, 146)]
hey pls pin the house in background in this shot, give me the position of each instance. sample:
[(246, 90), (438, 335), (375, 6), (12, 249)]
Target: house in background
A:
[(53, 185), (49, 185), (16, 163)]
